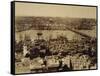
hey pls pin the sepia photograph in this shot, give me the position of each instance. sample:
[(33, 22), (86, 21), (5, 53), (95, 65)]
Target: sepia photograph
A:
[(54, 37)]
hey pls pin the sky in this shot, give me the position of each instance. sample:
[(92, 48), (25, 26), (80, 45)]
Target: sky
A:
[(34, 9)]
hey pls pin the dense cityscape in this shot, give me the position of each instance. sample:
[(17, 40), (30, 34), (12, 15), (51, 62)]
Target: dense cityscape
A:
[(39, 48)]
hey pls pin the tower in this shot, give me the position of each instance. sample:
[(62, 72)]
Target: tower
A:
[(24, 50), (39, 36)]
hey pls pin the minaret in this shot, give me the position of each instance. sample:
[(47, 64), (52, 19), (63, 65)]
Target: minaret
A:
[(25, 50), (71, 66)]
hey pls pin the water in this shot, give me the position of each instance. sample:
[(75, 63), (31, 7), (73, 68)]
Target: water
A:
[(54, 33), (46, 34)]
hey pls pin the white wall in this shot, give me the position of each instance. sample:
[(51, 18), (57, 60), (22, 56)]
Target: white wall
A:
[(5, 38)]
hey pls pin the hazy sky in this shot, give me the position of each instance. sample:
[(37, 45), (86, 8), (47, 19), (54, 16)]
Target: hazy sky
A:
[(33, 9)]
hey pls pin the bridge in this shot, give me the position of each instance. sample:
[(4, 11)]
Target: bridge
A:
[(81, 33)]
